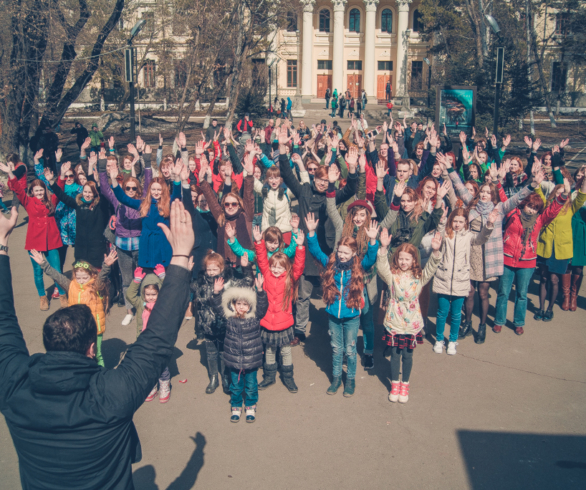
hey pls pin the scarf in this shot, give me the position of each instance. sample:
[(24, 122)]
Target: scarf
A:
[(528, 222), (343, 266), (482, 209), (238, 221), (146, 313), (86, 202)]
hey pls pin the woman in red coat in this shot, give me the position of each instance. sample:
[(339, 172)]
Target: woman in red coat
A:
[(520, 236), (280, 279), (42, 234)]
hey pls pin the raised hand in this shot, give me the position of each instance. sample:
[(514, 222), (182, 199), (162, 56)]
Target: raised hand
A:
[(372, 230), (182, 140), (539, 177), (258, 282), (564, 142), (436, 241), (159, 270), (352, 158), (528, 141), (400, 188), (463, 138), (385, 238), (444, 188), (567, 187), (38, 156), (202, 172), (257, 234), (445, 130), (506, 140), (184, 174), (160, 140), (493, 172), (139, 144), (199, 148), (86, 144), (333, 174), (300, 238), (38, 257), (111, 258), (230, 231), (536, 144), (218, 285), (395, 147), (493, 141), (64, 168), (536, 167), (380, 170), (49, 175), (180, 233), (58, 154), (139, 274), (311, 223), (362, 163), (244, 260), (247, 164), (113, 173), (132, 149)]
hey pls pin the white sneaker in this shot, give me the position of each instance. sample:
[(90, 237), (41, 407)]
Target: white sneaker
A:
[(438, 348), (452, 348), (127, 319)]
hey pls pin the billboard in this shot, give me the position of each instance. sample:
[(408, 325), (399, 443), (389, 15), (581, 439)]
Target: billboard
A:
[(456, 108)]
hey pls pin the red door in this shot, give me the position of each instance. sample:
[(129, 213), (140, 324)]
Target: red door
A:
[(355, 85), (323, 83), (381, 86)]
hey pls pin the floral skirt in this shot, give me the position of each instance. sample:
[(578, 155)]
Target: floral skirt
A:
[(403, 341), (277, 339)]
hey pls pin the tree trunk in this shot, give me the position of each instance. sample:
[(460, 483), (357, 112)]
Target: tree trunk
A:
[(237, 71)]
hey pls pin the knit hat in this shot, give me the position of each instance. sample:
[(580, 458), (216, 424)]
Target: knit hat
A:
[(364, 203)]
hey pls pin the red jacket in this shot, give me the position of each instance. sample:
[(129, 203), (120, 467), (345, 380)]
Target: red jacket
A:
[(517, 255), (42, 233), (244, 125), (276, 318)]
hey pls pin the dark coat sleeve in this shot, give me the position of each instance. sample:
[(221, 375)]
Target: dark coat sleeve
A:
[(290, 180), (262, 304), (147, 357), (13, 352), (64, 198), (348, 190)]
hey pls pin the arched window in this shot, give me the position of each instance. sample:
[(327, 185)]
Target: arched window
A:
[(417, 21), (324, 20), (354, 20), (386, 24)]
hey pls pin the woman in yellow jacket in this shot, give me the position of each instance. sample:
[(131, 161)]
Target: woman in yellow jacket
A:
[(89, 287), (555, 248)]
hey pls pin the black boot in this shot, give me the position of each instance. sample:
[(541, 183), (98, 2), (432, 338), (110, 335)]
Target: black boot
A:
[(335, 386), (465, 330), (226, 380), (288, 381), (214, 383), (212, 358), (269, 375), (349, 387), (481, 337)]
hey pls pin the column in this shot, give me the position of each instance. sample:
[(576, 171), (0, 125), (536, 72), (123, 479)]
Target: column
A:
[(338, 61), (369, 53), (307, 53), (402, 45)]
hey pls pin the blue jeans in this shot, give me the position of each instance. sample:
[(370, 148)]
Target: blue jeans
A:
[(452, 305), (367, 325), (343, 332), (521, 277), (52, 257), (243, 381)]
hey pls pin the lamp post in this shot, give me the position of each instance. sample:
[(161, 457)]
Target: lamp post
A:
[(499, 72), (130, 75), (428, 63)]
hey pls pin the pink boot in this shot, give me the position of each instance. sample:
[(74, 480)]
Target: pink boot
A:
[(404, 393), (394, 394), (152, 394)]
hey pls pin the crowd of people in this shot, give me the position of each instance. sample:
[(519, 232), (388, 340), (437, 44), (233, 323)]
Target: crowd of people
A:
[(377, 220)]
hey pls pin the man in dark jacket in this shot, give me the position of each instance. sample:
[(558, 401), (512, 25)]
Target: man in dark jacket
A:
[(328, 96), (49, 142), (312, 199), (80, 132), (212, 130), (71, 420)]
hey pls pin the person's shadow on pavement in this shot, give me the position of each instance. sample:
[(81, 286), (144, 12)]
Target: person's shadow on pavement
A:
[(144, 478)]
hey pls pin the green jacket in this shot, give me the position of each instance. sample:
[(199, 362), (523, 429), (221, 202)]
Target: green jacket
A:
[(135, 296), (97, 137), (239, 250)]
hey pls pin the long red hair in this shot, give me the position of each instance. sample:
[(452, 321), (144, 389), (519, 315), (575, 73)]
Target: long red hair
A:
[(290, 296), (164, 204), (410, 249), (348, 230), (46, 200), (353, 292), (416, 198), (463, 212), (422, 185)]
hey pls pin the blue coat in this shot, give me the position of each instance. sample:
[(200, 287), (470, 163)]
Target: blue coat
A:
[(154, 248), (342, 278)]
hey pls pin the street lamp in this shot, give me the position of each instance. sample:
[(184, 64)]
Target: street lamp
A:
[(130, 69), (500, 61), (428, 63)]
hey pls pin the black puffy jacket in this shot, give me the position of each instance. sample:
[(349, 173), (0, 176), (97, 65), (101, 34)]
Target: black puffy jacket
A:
[(243, 349)]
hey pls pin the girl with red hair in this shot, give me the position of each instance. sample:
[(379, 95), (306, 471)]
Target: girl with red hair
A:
[(403, 320), (343, 294)]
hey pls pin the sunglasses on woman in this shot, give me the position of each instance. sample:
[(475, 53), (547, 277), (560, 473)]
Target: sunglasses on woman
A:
[(128, 188), (231, 205), (69, 176), (311, 169)]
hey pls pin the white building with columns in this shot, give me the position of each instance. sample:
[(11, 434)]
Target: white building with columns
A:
[(352, 45)]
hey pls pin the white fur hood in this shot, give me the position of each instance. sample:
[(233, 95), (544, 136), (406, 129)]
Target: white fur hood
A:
[(247, 294)]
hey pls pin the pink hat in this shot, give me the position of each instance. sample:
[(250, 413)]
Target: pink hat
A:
[(364, 203)]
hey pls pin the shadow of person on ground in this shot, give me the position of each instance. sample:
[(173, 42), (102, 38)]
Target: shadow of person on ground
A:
[(144, 478), (317, 343)]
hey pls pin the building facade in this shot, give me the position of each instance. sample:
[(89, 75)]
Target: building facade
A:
[(352, 45)]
